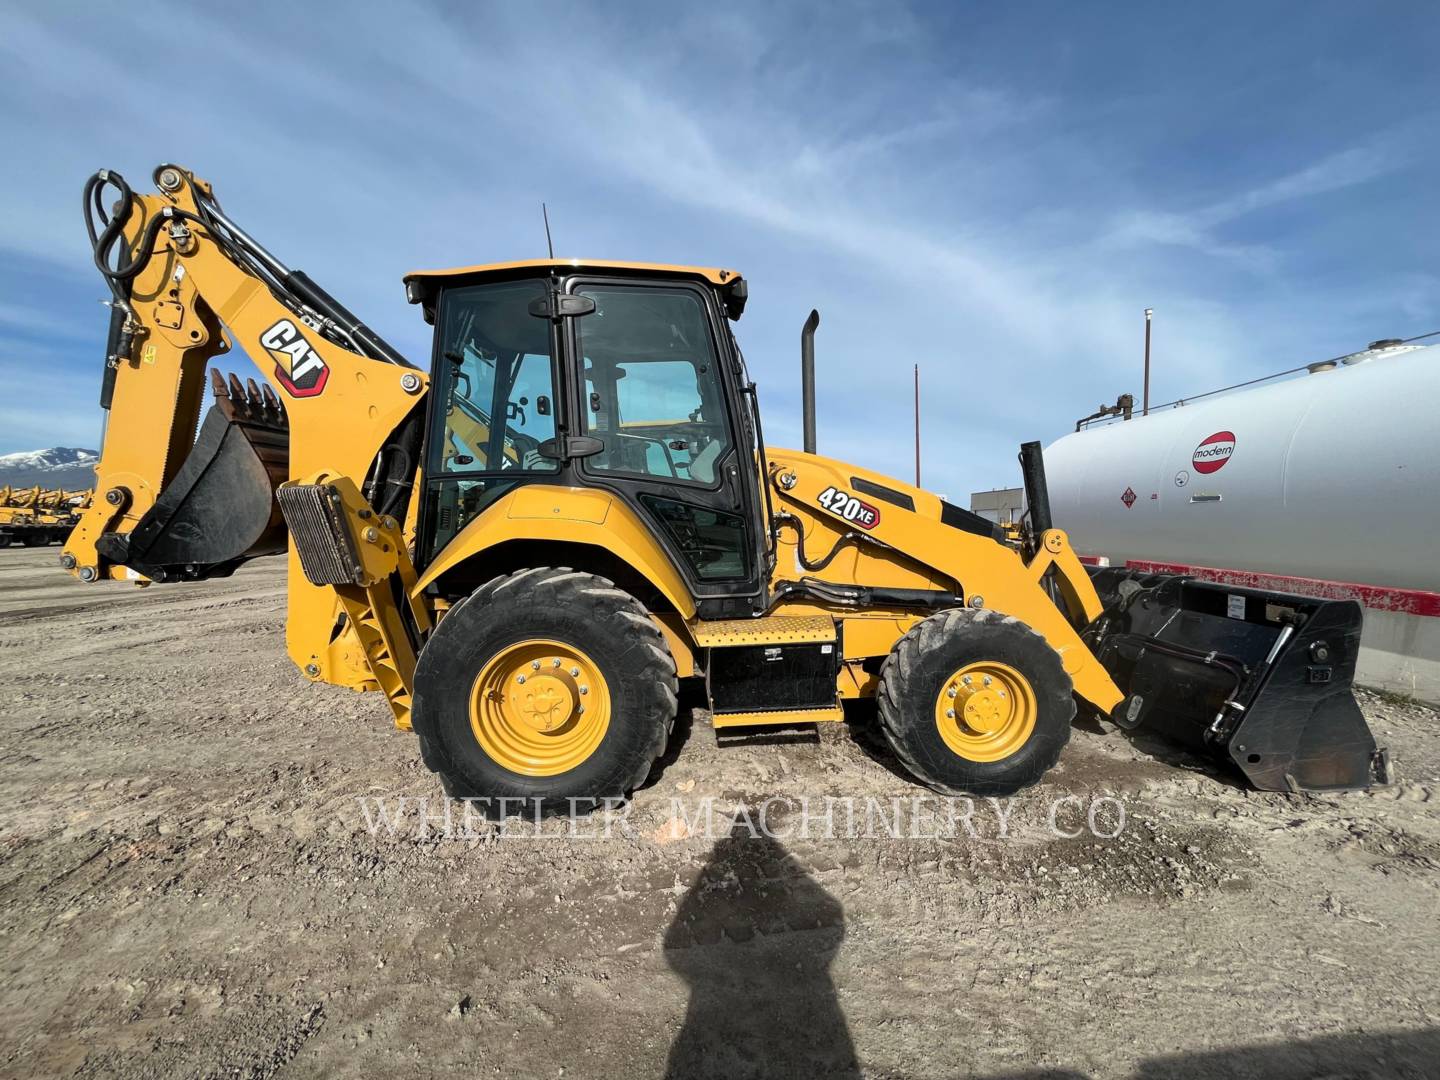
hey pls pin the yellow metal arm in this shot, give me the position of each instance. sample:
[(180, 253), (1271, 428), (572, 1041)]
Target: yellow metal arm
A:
[(916, 550), (188, 302)]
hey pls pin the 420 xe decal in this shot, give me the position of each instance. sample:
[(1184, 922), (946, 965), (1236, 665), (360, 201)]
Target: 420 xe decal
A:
[(849, 507)]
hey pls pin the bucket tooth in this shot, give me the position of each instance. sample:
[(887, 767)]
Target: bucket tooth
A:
[(272, 403), (217, 384)]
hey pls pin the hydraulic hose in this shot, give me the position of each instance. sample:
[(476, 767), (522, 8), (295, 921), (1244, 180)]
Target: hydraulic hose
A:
[(784, 517)]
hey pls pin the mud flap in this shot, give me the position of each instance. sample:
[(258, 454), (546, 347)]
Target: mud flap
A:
[(220, 508), (1259, 679)]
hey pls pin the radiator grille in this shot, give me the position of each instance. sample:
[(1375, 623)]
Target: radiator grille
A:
[(316, 519)]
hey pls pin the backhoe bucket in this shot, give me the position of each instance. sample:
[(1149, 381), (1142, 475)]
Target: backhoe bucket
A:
[(220, 509), (1259, 679)]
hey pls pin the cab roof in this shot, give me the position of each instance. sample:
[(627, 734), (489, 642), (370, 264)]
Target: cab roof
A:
[(714, 275)]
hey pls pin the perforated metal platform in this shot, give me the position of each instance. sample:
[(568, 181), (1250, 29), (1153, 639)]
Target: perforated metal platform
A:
[(774, 717), (771, 630)]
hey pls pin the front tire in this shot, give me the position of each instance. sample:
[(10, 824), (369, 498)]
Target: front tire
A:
[(547, 684), (972, 701)]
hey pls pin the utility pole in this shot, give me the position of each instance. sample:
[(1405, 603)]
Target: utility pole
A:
[(917, 425), (1145, 402)]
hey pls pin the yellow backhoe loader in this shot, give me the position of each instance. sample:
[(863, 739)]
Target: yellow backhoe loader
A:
[(527, 546), (36, 516)]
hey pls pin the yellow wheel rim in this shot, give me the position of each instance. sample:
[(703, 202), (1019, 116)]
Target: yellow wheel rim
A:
[(985, 711), (539, 708)]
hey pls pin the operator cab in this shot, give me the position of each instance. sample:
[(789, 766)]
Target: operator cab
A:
[(619, 376)]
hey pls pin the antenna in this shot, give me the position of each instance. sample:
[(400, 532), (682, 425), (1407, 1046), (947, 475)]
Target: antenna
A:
[(546, 215)]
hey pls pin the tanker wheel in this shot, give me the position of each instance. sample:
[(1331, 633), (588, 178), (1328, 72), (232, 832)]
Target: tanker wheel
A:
[(36, 540), (545, 685), (972, 701), (5, 540)]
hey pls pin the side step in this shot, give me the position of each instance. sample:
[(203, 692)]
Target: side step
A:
[(778, 717), (771, 630)]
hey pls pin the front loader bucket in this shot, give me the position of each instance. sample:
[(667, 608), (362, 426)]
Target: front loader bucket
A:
[(1259, 679), (220, 509)]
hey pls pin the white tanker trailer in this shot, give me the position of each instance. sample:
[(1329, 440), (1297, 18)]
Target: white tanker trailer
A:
[(1332, 476)]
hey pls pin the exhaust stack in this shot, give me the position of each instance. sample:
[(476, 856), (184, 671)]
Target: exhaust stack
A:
[(1037, 494), (807, 377)]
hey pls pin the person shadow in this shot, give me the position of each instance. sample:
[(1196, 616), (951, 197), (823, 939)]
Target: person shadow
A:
[(754, 938)]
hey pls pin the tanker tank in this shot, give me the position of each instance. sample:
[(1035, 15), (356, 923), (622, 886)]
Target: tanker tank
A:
[(1331, 476)]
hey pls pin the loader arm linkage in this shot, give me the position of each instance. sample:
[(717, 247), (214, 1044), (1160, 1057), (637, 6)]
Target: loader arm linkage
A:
[(978, 570), (336, 402)]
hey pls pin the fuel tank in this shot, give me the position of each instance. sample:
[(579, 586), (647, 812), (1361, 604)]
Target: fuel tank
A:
[(1333, 474)]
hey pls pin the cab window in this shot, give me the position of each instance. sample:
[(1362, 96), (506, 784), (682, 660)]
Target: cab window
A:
[(652, 391), (498, 382)]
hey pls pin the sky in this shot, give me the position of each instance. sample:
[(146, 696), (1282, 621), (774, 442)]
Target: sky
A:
[(994, 192)]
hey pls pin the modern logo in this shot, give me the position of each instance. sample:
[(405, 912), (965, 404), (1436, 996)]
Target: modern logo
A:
[(1212, 453), (1129, 497), (298, 367)]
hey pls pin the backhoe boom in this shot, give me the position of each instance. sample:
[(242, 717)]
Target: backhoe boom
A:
[(187, 282)]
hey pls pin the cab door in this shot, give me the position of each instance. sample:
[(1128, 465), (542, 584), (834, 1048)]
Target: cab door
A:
[(659, 392)]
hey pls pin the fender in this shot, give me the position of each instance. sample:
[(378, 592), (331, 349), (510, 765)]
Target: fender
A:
[(571, 515)]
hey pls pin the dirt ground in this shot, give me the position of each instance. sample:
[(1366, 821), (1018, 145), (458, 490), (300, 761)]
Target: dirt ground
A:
[(205, 870)]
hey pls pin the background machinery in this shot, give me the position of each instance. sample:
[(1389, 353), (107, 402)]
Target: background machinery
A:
[(36, 516), (527, 546)]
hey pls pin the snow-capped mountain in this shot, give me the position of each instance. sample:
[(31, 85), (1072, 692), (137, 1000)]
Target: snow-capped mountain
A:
[(58, 467)]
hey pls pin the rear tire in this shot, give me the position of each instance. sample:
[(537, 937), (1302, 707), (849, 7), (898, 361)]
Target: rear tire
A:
[(478, 727), (1007, 681)]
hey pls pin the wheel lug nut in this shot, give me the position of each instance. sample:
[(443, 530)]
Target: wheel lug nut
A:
[(555, 662), (950, 714), (574, 672), (584, 690), (966, 680), (534, 665), (986, 680), (520, 678), (952, 691)]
